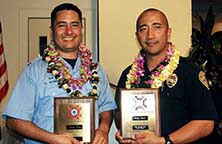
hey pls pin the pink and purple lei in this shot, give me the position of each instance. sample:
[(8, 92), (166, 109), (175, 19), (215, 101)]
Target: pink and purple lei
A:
[(159, 75), (60, 71)]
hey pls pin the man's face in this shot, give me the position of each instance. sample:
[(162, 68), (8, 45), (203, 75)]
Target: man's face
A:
[(153, 32), (67, 31)]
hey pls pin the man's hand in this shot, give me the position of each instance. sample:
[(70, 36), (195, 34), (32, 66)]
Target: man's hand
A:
[(101, 134), (101, 137), (65, 139), (147, 138), (141, 138), (120, 139), (28, 129)]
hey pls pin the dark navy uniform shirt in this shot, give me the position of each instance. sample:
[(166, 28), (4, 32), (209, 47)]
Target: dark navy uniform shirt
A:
[(188, 100)]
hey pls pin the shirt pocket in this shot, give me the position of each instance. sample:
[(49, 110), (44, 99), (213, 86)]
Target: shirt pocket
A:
[(175, 94), (50, 88)]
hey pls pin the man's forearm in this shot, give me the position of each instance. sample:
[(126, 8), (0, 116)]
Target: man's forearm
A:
[(28, 129), (192, 131), (117, 119), (105, 119)]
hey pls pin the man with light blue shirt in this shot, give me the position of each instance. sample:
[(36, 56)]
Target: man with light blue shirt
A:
[(65, 70)]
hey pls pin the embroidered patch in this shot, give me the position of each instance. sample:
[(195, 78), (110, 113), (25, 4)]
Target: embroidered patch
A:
[(172, 80), (203, 79)]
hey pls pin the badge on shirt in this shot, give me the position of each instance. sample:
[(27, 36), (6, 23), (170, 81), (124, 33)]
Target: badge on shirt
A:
[(203, 79), (172, 80)]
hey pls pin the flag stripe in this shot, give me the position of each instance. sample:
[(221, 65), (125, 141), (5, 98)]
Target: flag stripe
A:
[(0, 27), (2, 60), (3, 69), (3, 80), (3, 90), (1, 50), (1, 47)]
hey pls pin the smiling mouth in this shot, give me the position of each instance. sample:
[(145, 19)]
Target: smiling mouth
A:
[(68, 38)]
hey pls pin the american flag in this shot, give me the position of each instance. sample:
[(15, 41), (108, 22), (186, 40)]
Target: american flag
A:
[(3, 69)]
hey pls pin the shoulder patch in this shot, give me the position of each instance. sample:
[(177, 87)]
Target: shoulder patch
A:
[(203, 79)]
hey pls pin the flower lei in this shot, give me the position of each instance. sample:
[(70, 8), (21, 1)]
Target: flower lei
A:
[(60, 71), (159, 75)]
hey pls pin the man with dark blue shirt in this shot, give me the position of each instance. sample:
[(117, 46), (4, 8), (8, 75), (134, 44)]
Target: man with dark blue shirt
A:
[(187, 111)]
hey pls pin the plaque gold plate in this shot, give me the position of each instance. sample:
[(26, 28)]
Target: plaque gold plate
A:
[(139, 111), (75, 116)]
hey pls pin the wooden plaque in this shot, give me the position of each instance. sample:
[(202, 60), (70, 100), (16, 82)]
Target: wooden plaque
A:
[(75, 116), (139, 111)]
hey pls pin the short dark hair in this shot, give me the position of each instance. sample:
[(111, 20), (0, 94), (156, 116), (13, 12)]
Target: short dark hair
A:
[(65, 6), (149, 10)]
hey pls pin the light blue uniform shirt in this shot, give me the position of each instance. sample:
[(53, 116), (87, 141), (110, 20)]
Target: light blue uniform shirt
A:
[(33, 96)]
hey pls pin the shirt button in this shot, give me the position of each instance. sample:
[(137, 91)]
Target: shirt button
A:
[(168, 94)]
